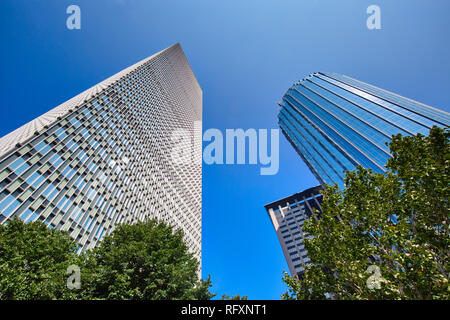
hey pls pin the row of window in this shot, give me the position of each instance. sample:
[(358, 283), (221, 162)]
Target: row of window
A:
[(82, 166)]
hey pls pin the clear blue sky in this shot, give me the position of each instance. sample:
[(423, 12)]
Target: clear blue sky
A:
[(245, 54)]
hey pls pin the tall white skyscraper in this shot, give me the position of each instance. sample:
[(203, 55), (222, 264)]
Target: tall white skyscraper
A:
[(104, 156)]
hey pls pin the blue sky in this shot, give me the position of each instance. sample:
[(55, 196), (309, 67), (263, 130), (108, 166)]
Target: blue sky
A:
[(245, 54)]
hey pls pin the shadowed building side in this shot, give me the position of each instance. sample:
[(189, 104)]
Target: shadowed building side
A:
[(288, 216)]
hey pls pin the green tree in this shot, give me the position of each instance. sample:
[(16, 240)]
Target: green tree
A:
[(385, 236), (146, 260), (34, 261), (235, 297)]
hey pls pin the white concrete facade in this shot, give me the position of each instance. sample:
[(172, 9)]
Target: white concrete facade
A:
[(104, 156)]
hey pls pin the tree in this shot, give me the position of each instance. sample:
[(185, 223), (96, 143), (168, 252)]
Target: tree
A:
[(34, 261), (385, 236), (235, 297), (146, 260)]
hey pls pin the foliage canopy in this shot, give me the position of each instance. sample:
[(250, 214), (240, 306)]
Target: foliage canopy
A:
[(146, 260), (397, 222)]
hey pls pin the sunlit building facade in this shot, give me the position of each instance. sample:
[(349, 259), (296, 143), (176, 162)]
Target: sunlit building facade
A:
[(104, 156)]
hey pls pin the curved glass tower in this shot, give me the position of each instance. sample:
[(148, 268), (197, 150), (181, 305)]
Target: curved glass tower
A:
[(335, 123)]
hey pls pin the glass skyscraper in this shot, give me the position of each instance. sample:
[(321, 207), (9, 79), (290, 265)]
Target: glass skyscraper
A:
[(104, 156), (335, 123)]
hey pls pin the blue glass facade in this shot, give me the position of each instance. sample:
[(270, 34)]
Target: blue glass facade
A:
[(336, 122)]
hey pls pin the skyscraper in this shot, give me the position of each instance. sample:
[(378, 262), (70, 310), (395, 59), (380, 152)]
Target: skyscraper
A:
[(288, 216), (104, 156), (335, 123)]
